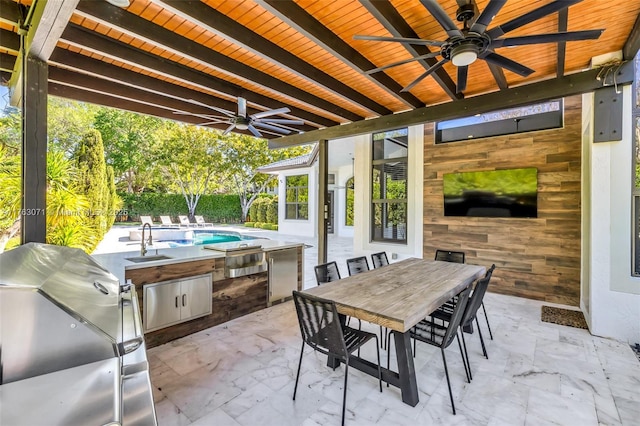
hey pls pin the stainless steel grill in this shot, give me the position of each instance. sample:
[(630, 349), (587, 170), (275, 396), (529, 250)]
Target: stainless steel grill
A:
[(71, 344)]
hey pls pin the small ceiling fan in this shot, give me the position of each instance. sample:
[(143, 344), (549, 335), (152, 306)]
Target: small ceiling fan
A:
[(473, 41), (255, 123)]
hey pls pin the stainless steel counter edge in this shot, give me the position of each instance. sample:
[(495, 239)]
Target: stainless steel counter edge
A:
[(117, 263)]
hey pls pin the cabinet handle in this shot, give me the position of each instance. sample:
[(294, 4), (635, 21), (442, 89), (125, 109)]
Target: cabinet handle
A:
[(184, 300), (176, 301)]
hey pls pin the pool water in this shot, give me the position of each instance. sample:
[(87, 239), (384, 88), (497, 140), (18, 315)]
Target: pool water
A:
[(209, 237)]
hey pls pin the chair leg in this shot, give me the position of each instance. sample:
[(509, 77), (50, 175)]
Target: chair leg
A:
[(487, 319), (446, 373), (379, 369), (295, 388), (344, 395), (467, 365), (484, 349)]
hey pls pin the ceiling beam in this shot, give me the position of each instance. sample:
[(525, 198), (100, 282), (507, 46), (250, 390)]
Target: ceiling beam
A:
[(572, 84), (7, 62), (563, 19), (220, 24), (109, 87), (134, 26), (632, 45), (11, 13), (9, 41), (116, 50), (298, 18), (389, 17), (84, 95)]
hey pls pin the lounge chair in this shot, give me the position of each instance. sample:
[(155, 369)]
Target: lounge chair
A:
[(146, 219), (184, 220), (200, 221), (166, 221)]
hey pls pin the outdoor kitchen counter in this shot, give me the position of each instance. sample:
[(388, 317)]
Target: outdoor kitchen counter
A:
[(117, 263), (194, 289)]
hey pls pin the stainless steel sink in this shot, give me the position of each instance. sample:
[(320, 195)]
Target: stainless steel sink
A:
[(139, 259)]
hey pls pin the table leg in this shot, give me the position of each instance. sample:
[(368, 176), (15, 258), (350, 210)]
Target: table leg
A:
[(406, 369)]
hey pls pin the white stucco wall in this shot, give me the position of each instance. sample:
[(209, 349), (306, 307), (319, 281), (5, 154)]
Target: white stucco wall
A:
[(343, 174), (612, 295), (362, 243), (305, 228)]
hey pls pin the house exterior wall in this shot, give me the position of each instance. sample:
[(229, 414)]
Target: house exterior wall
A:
[(611, 296), (362, 243), (537, 258), (343, 174), (304, 228)]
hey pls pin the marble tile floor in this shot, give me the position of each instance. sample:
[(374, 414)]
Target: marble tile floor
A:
[(243, 373)]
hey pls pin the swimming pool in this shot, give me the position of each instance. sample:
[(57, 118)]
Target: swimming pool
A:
[(177, 237), (201, 237)]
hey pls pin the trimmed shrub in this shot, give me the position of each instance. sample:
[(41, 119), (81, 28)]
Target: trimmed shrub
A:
[(272, 211), (250, 224), (216, 208)]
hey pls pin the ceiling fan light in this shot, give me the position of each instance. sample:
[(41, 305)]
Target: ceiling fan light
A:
[(464, 58), (242, 126)]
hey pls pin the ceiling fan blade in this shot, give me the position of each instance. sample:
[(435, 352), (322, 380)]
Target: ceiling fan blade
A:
[(487, 15), (507, 64), (462, 79), (441, 16), (425, 74), (220, 110), (242, 107), (272, 128), (280, 121), (535, 14), (255, 131), (270, 112), (230, 128), (400, 40), (406, 61), (547, 38)]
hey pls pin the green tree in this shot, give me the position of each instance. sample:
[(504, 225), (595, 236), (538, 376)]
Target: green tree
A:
[(129, 139), (189, 157), (243, 155), (67, 122), (92, 178)]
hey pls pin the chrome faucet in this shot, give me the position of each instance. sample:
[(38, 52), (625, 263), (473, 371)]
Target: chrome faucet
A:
[(143, 248)]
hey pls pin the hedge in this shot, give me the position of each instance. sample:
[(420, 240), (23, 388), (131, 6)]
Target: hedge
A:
[(264, 209), (215, 208)]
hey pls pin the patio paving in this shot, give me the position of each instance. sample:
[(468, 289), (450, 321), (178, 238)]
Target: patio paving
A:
[(243, 372)]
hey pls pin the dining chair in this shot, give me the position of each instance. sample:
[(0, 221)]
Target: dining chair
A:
[(444, 313), (439, 335), (359, 264), (458, 257), (327, 272), (355, 265), (379, 259), (322, 329)]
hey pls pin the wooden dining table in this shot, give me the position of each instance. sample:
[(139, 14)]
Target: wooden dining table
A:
[(398, 296)]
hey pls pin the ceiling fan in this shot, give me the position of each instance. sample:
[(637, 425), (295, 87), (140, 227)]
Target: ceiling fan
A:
[(255, 123), (474, 41)]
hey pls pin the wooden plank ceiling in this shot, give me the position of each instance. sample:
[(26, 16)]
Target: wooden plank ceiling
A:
[(175, 58)]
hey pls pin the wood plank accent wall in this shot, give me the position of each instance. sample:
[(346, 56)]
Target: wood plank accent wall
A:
[(535, 258)]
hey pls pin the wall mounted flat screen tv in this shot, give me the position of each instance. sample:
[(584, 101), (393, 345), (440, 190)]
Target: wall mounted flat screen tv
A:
[(496, 193)]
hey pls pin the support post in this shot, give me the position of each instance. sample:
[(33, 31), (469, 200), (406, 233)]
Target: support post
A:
[(34, 150), (323, 195)]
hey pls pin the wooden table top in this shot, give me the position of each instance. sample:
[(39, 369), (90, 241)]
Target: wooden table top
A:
[(399, 295)]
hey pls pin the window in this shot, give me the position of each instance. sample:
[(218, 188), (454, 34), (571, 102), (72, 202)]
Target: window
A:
[(349, 202), (547, 115), (636, 164), (297, 203), (389, 186)]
